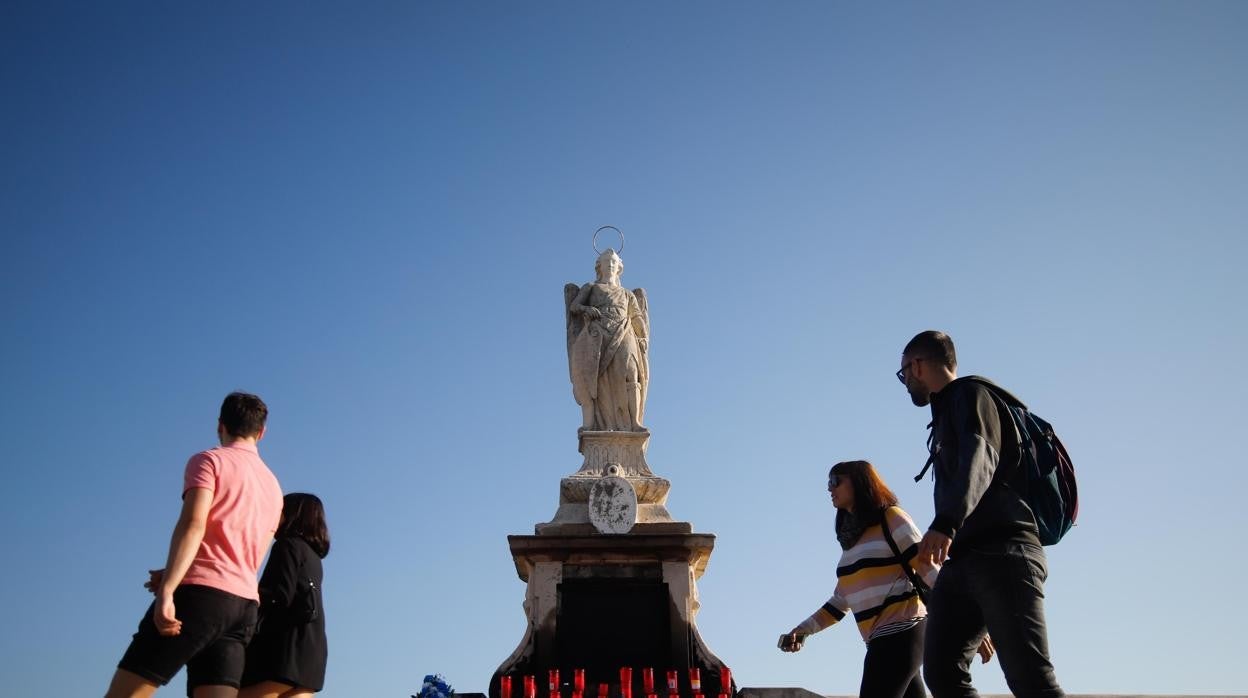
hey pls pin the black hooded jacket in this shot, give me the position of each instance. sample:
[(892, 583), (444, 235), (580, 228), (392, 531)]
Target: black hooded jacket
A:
[(976, 456)]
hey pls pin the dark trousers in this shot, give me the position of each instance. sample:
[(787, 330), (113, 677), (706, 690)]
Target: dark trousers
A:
[(999, 591), (891, 669)]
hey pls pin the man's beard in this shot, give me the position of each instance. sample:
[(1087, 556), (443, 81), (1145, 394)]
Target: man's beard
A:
[(919, 397)]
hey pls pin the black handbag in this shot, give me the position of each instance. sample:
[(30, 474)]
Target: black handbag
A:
[(920, 586)]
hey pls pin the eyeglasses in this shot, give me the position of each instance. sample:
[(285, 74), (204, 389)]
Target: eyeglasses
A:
[(835, 481), (901, 372)]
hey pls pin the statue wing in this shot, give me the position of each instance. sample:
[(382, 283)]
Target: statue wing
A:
[(643, 305), (571, 320), (584, 352)]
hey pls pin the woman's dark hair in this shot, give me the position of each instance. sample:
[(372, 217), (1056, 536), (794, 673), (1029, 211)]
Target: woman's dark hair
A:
[(871, 495), (303, 516)]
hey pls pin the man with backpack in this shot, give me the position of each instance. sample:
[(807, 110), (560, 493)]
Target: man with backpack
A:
[(983, 531)]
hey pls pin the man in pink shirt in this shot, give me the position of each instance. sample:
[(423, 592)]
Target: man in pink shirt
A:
[(206, 596)]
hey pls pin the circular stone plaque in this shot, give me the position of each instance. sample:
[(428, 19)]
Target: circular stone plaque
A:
[(612, 505)]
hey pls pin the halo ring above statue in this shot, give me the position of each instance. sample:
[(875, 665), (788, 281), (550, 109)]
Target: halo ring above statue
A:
[(617, 232)]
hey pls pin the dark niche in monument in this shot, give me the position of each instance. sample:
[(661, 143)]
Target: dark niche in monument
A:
[(607, 621), (612, 577)]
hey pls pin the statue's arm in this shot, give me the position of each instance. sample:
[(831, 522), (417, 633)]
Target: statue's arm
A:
[(578, 304)]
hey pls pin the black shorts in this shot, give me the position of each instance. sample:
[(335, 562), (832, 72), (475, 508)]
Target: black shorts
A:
[(216, 627)]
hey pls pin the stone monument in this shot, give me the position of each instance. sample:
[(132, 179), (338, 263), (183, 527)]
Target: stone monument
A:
[(612, 577)]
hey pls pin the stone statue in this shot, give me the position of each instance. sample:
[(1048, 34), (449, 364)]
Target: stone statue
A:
[(608, 336)]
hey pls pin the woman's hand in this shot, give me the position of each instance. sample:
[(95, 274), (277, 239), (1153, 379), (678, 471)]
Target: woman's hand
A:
[(154, 580), (791, 641)]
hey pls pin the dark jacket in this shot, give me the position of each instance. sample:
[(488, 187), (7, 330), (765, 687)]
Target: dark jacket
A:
[(287, 647), (975, 457)]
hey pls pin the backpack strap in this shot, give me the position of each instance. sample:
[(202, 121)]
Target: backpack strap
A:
[(926, 466), (920, 586), (931, 457)]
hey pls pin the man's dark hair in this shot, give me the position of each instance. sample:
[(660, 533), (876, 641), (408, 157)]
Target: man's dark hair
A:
[(933, 345), (243, 414)]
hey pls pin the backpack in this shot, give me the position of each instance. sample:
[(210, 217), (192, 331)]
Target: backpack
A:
[(1047, 481)]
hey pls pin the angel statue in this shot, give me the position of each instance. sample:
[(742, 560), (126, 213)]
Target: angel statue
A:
[(608, 336)]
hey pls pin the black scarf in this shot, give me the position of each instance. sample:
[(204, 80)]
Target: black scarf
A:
[(849, 528)]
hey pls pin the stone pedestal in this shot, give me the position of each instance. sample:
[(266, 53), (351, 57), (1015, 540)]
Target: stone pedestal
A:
[(601, 602), (627, 451), (600, 599)]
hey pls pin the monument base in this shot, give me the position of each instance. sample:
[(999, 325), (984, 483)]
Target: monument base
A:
[(602, 602), (625, 453)]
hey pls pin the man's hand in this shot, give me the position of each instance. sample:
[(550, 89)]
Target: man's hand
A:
[(154, 578), (925, 567), (934, 548), (164, 615), (986, 650)]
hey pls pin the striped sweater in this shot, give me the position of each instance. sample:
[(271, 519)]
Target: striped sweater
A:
[(870, 580)]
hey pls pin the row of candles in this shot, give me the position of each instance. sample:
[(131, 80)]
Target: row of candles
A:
[(626, 684)]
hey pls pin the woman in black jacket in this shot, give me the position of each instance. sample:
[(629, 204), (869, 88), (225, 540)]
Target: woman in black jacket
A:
[(286, 657)]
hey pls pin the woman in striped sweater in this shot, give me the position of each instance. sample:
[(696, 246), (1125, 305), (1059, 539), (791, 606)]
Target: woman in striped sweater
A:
[(872, 581)]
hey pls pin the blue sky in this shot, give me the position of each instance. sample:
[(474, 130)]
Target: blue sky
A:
[(366, 213)]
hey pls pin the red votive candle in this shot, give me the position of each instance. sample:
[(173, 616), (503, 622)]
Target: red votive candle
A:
[(602, 690), (554, 683), (626, 681), (695, 680), (647, 681), (725, 681), (672, 678), (530, 686), (578, 680), (576, 694), (504, 686)]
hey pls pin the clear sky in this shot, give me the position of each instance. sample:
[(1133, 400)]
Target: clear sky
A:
[(366, 213)]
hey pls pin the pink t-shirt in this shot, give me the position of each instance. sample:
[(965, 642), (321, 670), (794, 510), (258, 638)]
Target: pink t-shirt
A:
[(246, 508)]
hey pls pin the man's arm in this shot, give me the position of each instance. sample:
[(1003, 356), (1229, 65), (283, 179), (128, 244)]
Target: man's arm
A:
[(974, 415), (187, 535), (979, 435)]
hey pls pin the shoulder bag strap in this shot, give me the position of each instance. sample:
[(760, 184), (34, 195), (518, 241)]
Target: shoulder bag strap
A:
[(920, 586)]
